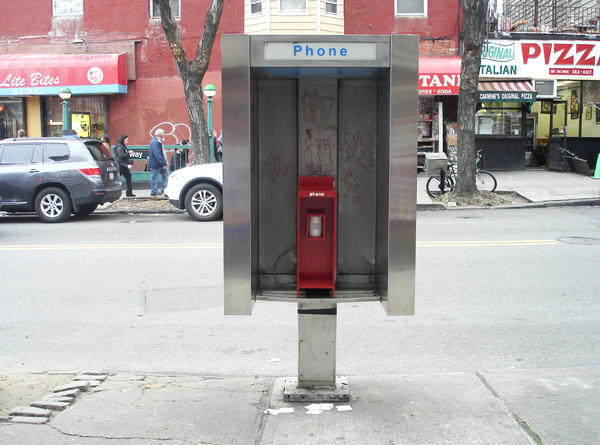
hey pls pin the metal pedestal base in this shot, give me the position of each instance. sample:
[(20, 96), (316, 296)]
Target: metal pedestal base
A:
[(293, 393), (316, 380)]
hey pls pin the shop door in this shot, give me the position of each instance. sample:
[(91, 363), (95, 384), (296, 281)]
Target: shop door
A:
[(557, 142)]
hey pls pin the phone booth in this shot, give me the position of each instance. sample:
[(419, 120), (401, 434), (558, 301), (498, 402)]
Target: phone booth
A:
[(319, 183)]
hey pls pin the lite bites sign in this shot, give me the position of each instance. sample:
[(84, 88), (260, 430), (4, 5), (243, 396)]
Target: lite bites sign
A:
[(547, 59), (44, 75)]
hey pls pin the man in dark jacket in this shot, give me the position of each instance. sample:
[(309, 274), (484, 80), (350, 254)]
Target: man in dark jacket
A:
[(157, 163)]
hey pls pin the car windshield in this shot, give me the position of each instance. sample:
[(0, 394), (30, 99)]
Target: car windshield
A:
[(98, 150)]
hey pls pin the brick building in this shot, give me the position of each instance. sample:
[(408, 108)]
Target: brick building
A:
[(65, 40), (59, 37)]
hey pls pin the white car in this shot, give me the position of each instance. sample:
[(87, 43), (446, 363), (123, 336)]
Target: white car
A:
[(199, 190)]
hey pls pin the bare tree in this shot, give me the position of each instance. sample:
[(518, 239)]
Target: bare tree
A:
[(192, 71), (474, 12)]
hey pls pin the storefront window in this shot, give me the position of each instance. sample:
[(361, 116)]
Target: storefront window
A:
[(499, 119), (88, 116), (590, 102), (12, 117), (570, 91)]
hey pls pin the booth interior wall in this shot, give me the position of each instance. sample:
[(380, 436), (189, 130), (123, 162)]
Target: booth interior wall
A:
[(357, 180), (383, 183), (317, 126), (254, 166), (277, 176)]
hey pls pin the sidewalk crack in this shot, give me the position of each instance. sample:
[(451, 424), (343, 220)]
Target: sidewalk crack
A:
[(523, 426)]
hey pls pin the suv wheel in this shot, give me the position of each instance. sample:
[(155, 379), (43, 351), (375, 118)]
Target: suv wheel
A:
[(53, 205), (204, 202)]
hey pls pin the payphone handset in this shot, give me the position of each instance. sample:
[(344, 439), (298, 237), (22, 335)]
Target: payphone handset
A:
[(316, 238)]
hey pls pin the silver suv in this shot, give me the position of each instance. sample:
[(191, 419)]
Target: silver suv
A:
[(56, 177)]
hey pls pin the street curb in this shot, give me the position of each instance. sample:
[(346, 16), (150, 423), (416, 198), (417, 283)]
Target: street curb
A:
[(141, 211), (420, 207), (531, 205)]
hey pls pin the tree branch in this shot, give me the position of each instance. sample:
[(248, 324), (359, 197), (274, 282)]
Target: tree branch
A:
[(169, 26)]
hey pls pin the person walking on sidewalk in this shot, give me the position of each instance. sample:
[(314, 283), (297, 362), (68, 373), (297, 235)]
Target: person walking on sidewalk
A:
[(123, 158), (157, 163)]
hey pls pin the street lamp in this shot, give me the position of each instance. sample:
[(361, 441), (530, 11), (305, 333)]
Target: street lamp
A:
[(209, 92), (65, 94)]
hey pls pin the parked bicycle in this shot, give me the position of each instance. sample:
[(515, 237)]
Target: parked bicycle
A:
[(445, 183)]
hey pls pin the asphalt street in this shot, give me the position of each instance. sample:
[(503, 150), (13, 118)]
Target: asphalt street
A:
[(502, 348)]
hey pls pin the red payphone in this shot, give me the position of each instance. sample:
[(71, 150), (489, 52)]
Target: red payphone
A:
[(317, 219)]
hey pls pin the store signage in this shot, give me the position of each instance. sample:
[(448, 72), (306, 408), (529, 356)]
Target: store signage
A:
[(439, 84), (439, 76), (548, 59), (506, 96), (320, 51), (43, 74)]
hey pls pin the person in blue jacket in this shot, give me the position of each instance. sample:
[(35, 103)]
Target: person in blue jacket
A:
[(157, 163)]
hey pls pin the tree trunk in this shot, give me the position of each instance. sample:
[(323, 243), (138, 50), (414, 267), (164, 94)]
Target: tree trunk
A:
[(192, 71), (475, 26)]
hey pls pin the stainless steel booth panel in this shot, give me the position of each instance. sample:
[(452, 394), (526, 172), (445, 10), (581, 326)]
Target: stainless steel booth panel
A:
[(399, 296), (239, 176)]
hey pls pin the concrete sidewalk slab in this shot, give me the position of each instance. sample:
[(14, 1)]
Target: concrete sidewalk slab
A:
[(550, 406), (192, 410), (562, 406), (422, 409)]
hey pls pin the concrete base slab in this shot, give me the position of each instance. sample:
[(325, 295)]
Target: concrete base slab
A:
[(292, 393), (404, 409)]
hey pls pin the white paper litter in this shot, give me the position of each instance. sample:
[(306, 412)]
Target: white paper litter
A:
[(320, 406), (314, 411), (274, 412), (344, 408)]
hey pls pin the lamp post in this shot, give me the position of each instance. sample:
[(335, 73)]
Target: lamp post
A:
[(209, 92), (65, 94)]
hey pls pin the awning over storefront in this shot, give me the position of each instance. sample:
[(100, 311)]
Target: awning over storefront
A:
[(439, 76), (46, 74), (505, 91)]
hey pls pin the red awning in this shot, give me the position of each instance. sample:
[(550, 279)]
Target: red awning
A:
[(46, 74), (439, 75), (508, 85), (506, 91)]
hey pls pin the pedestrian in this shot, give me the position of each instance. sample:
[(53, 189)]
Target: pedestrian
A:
[(219, 147), (157, 162), (179, 159), (21, 133), (123, 157), (106, 144)]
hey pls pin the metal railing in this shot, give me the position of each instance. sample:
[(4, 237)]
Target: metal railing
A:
[(551, 16)]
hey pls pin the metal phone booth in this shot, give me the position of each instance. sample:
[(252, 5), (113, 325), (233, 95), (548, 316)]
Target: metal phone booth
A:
[(319, 183)]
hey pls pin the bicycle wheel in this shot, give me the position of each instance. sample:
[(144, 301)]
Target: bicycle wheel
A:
[(485, 181), (434, 186)]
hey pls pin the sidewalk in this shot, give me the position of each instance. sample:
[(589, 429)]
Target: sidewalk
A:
[(558, 406), (540, 187)]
